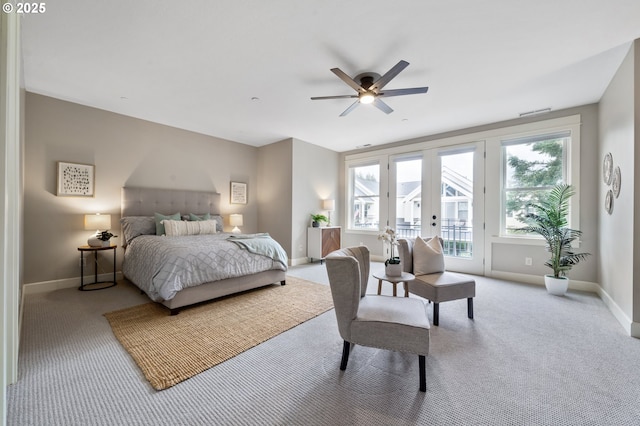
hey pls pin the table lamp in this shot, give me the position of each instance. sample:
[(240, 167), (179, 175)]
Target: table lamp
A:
[(98, 222), (329, 206), (235, 220)]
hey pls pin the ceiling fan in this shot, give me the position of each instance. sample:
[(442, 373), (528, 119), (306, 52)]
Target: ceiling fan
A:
[(369, 90)]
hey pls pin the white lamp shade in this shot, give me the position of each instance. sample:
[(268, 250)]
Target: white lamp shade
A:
[(329, 205), (97, 222), (235, 220)]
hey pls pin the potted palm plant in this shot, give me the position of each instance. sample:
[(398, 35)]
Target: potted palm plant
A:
[(549, 220)]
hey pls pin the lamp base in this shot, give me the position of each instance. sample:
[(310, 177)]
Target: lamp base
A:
[(95, 242), (236, 230)]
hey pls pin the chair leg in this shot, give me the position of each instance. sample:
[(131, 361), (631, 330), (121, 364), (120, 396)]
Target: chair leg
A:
[(470, 307), (436, 313), (423, 374), (346, 347)]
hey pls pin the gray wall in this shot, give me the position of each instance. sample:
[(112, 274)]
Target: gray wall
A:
[(274, 184), (316, 179), (619, 135), (126, 152), (294, 176)]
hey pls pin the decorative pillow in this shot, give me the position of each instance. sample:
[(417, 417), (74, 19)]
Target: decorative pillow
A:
[(219, 221), (177, 228), (206, 216), (160, 217), (428, 257), (134, 226)]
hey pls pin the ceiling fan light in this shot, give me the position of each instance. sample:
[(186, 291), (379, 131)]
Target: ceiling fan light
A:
[(366, 98)]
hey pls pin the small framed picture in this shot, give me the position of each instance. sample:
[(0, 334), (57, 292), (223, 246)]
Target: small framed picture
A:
[(75, 180), (238, 193)]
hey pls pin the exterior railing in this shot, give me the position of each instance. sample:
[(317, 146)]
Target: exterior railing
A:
[(456, 235)]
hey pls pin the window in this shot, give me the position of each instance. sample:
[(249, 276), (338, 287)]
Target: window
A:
[(531, 167), (364, 197), (408, 194)]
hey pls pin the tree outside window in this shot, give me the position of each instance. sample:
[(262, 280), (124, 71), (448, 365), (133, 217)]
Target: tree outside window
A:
[(532, 166)]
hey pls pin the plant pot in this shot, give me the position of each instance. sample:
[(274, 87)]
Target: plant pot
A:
[(393, 269), (315, 224), (556, 286)]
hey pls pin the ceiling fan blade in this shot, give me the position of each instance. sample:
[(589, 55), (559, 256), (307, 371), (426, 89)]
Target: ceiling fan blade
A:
[(316, 98), (402, 92), (382, 81), (351, 82), (382, 106), (351, 108)]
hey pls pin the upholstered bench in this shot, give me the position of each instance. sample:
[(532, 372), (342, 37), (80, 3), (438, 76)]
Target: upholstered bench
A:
[(439, 285)]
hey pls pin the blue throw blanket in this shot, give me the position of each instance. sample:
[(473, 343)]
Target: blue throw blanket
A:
[(261, 244)]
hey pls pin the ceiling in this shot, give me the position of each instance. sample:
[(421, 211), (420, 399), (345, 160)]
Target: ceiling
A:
[(244, 70)]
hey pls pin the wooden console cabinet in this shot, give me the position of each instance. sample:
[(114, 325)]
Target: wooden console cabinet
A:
[(322, 241)]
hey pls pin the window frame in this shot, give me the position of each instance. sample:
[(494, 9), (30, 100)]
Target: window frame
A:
[(380, 161), (505, 188), (571, 169)]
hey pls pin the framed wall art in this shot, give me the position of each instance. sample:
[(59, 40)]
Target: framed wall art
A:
[(238, 193), (75, 180)]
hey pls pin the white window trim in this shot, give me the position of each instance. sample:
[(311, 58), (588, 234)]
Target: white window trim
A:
[(495, 174), (381, 160)]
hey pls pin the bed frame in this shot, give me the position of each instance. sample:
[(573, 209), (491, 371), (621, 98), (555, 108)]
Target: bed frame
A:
[(147, 201)]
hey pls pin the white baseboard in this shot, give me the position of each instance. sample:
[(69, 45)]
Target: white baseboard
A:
[(632, 329), (298, 261), (539, 280), (47, 286)]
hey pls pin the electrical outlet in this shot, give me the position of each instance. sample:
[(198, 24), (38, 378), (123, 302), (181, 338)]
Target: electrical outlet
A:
[(528, 261)]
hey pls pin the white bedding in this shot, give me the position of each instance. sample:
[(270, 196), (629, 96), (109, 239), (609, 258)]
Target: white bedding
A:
[(161, 266)]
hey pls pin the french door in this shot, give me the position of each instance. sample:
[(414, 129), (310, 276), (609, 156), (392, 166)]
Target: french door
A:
[(440, 191)]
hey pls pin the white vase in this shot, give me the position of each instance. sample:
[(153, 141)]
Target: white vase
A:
[(393, 269), (94, 242), (556, 286)]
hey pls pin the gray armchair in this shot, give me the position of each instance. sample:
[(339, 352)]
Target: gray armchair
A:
[(436, 287), (385, 322)]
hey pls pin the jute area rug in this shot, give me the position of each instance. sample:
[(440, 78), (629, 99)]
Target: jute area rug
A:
[(170, 349)]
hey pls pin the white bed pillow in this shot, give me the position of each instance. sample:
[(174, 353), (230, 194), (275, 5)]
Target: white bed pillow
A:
[(428, 257), (177, 228)]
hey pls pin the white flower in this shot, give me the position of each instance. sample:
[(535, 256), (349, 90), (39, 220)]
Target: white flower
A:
[(389, 236)]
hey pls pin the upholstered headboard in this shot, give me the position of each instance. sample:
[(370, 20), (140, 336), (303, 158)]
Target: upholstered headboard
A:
[(147, 201)]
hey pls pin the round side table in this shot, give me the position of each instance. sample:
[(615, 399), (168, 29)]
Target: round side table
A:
[(99, 285), (404, 278)]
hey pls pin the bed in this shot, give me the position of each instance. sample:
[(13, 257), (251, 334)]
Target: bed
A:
[(182, 270)]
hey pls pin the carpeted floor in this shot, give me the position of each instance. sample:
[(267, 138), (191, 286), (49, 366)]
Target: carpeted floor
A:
[(527, 358), (170, 349)]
